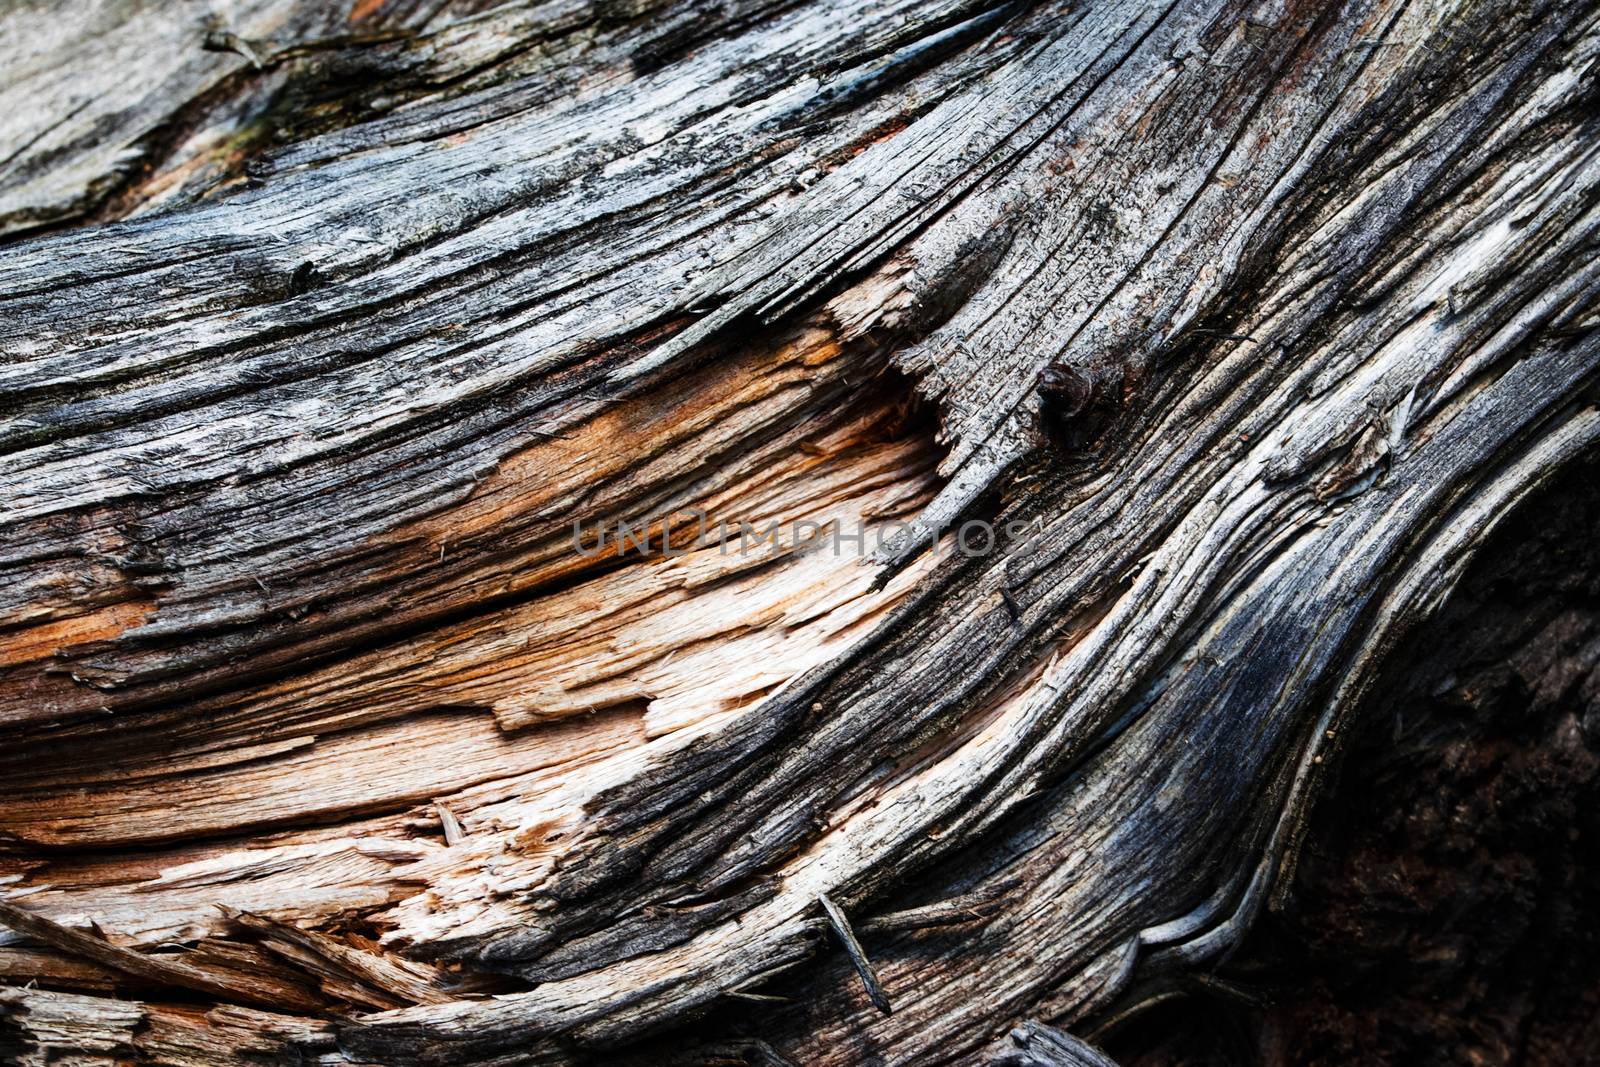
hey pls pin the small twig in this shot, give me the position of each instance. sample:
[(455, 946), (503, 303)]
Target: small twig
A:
[(763, 998), (852, 948), (1010, 603)]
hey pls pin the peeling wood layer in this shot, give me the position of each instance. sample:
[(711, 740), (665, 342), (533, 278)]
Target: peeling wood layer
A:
[(1241, 323)]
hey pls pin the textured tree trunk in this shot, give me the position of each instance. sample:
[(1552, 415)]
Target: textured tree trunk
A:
[(1238, 325)]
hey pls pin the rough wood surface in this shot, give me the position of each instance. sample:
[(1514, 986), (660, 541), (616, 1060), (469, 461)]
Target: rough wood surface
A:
[(1442, 908), (1242, 322)]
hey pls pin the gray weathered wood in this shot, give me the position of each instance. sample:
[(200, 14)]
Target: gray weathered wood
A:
[(1244, 322)]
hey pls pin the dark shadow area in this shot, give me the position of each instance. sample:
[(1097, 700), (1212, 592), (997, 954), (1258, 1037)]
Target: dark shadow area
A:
[(1447, 907)]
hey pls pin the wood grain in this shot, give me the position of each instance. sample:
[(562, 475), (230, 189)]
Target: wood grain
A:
[(1240, 323)]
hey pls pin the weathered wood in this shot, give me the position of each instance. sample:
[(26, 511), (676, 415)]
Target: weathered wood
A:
[(1241, 322), (1043, 1046)]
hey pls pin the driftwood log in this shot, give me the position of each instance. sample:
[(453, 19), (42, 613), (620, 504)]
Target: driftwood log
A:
[(1143, 372)]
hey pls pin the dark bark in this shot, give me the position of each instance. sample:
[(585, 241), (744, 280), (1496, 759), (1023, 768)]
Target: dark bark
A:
[(1244, 322)]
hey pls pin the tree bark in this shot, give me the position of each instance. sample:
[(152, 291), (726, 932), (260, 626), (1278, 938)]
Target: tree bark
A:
[(1240, 324)]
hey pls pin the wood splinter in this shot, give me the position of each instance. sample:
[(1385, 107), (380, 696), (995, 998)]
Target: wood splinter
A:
[(453, 831), (219, 40), (858, 958)]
